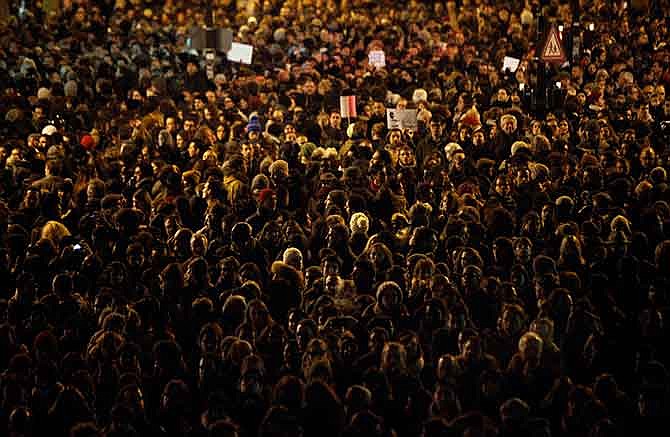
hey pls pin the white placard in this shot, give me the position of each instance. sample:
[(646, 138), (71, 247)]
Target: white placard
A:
[(241, 53), (377, 58), (401, 119), (511, 64)]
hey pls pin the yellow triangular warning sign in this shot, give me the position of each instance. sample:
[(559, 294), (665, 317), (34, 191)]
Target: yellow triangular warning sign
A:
[(553, 49)]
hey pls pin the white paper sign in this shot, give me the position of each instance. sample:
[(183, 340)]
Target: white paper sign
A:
[(401, 119), (241, 53), (377, 58), (511, 64)]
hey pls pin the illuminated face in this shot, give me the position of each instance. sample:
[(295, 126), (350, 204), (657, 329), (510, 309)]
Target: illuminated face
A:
[(502, 95), (170, 124), (80, 15), (435, 129), (522, 176), (43, 142), (502, 186), (458, 160), (335, 120), (394, 138), (309, 87), (289, 133), (247, 151), (406, 157), (38, 113), (278, 116), (508, 125), (648, 158)]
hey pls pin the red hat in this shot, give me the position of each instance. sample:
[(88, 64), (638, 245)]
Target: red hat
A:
[(87, 142), (265, 193)]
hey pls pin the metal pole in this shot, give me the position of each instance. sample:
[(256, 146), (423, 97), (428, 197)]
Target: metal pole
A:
[(209, 16), (540, 91)]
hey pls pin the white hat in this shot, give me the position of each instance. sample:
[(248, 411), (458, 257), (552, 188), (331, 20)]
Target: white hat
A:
[(419, 95), (43, 93), (49, 130), (520, 145), (450, 149)]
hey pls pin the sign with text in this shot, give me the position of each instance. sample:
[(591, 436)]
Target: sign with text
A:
[(377, 58), (401, 119), (510, 64), (241, 53)]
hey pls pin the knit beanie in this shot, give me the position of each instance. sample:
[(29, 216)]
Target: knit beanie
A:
[(254, 124)]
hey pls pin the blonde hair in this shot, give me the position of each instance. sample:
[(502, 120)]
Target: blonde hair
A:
[(530, 337), (54, 231)]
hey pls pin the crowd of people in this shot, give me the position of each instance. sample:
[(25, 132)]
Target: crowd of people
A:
[(197, 247)]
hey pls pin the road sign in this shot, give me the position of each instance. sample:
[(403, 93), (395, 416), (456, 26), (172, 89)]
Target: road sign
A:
[(553, 51)]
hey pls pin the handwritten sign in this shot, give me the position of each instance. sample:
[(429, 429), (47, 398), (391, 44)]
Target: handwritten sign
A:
[(241, 53), (377, 58), (510, 64), (401, 119)]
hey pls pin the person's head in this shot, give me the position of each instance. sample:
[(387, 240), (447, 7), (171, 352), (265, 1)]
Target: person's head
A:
[(471, 278), (309, 87), (380, 256), (55, 232), (436, 127), (530, 348), (523, 250), (508, 124), (337, 236), (502, 185), (406, 157), (512, 319), (389, 296), (471, 347), (571, 250), (394, 137), (241, 235), (330, 265), (210, 338), (171, 278), (305, 331), (394, 358), (199, 244), (335, 120), (648, 158)]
